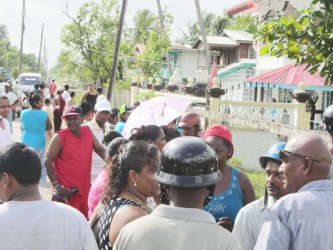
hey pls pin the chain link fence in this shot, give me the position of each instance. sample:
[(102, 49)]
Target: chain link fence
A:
[(253, 137)]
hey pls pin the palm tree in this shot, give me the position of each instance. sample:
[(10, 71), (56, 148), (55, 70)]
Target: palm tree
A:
[(218, 25), (214, 26)]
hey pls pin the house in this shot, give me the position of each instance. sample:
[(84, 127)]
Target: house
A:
[(229, 48)]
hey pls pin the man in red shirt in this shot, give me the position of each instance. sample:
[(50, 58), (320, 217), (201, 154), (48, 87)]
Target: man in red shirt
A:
[(68, 160)]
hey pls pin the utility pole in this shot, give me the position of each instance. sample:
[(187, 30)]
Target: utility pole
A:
[(44, 59), (40, 47), (22, 34), (160, 14), (203, 34), (206, 51), (116, 49)]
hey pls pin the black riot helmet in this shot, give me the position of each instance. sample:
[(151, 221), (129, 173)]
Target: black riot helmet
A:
[(328, 118), (187, 162)]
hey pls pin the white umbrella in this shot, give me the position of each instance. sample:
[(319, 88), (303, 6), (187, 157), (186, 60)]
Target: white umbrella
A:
[(156, 111)]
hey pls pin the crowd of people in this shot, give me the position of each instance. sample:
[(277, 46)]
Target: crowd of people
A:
[(163, 187)]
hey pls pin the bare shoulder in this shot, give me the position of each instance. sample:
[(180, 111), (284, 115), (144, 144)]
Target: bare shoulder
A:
[(129, 213)]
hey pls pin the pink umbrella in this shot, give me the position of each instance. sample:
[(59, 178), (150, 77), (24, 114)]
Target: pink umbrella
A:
[(156, 111), (212, 75)]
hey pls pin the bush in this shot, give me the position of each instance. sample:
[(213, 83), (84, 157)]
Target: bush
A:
[(257, 178)]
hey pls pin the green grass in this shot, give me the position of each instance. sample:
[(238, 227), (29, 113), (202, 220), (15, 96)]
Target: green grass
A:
[(257, 178)]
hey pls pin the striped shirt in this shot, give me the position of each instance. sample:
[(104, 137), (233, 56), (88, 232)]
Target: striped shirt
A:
[(303, 220)]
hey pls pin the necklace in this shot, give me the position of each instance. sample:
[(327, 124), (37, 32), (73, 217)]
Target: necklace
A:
[(143, 204)]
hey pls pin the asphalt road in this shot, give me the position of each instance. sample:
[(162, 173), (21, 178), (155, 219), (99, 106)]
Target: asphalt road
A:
[(44, 189)]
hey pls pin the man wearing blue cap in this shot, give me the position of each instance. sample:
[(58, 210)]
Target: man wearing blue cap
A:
[(251, 217)]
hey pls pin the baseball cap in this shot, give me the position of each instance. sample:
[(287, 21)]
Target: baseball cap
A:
[(103, 105), (72, 111), (126, 109), (222, 132), (114, 111)]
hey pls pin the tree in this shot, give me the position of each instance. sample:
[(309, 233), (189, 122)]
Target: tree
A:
[(307, 40), (157, 46), (9, 55), (144, 22), (3, 32), (214, 26), (89, 40), (240, 22)]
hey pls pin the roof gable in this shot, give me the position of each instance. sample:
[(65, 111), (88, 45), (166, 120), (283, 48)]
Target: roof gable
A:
[(238, 35), (215, 40)]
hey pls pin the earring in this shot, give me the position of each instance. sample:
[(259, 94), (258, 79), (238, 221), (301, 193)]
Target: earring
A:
[(135, 185)]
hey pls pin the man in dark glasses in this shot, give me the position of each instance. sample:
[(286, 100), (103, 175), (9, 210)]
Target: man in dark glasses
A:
[(250, 218), (302, 219)]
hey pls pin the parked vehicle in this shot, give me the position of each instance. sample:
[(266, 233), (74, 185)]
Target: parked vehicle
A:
[(26, 82)]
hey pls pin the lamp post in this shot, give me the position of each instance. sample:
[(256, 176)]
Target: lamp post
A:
[(171, 85), (189, 87), (150, 83), (301, 96), (134, 82), (215, 96), (216, 91), (157, 86)]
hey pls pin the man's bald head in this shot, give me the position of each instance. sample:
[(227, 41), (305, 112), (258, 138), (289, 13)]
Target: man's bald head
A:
[(308, 159)]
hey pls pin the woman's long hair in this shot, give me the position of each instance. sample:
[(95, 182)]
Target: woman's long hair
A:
[(145, 133), (131, 156)]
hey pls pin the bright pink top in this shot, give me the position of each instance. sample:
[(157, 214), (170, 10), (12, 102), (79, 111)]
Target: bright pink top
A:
[(96, 191), (52, 88)]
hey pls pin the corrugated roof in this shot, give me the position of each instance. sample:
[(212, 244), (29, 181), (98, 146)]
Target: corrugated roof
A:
[(289, 74), (216, 40), (238, 35)]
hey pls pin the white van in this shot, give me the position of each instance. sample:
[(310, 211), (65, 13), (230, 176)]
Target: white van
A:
[(26, 82)]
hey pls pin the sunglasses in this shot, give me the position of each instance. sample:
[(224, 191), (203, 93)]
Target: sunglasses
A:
[(284, 155)]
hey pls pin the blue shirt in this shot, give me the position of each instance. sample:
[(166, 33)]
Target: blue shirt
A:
[(229, 202), (34, 125), (303, 220), (119, 126)]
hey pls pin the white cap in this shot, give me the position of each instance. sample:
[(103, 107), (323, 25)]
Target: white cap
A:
[(101, 97), (103, 105)]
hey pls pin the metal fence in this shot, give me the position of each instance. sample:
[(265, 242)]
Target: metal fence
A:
[(255, 126), (252, 137)]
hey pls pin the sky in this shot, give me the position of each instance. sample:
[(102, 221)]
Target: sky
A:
[(50, 12)]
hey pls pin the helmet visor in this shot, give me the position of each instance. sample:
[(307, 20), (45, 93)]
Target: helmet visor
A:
[(188, 181)]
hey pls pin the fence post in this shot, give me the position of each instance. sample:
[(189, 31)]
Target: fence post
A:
[(302, 117), (215, 107)]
